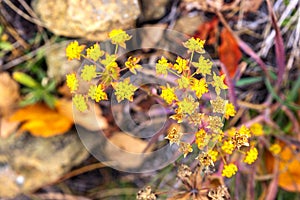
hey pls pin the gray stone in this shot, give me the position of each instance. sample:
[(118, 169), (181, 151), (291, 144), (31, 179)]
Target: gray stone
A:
[(90, 19)]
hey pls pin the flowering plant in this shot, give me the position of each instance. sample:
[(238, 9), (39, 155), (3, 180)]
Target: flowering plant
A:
[(194, 80)]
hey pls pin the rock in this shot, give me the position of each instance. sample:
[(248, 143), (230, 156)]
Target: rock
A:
[(9, 93), (153, 10), (58, 64), (188, 24), (90, 19), (28, 163)]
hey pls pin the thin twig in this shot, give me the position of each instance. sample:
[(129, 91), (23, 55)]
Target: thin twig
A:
[(22, 14), (82, 170)]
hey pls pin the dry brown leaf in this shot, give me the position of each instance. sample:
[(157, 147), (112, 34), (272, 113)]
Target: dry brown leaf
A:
[(208, 31), (229, 52), (41, 121), (289, 165), (9, 93), (91, 119)]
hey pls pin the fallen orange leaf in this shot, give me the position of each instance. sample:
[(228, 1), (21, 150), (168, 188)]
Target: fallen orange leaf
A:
[(41, 121), (208, 31), (229, 52), (289, 165)]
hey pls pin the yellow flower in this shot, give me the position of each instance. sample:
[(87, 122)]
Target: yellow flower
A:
[(96, 93), (188, 105), (185, 148), (229, 170), (94, 52), (231, 132), (213, 154), (79, 102), (73, 50), (194, 45), (199, 86), (162, 66), (218, 83), (275, 148), (203, 66), (183, 82), (111, 71), (257, 129), (178, 116), (229, 110), (201, 138), (251, 156), (244, 131), (215, 123), (124, 90), (181, 65), (88, 72), (174, 135), (168, 94), (118, 37), (205, 159), (72, 82), (132, 65), (228, 147), (218, 105)]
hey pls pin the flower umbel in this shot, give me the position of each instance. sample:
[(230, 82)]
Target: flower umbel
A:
[(180, 65), (96, 93), (73, 50), (72, 82), (229, 170), (119, 37), (132, 64), (168, 94), (185, 148), (79, 102), (251, 156), (199, 86), (174, 135), (94, 52), (218, 83), (218, 105), (124, 90), (275, 148), (162, 66), (88, 72), (203, 66), (228, 146), (196, 45), (229, 110), (146, 194), (257, 129)]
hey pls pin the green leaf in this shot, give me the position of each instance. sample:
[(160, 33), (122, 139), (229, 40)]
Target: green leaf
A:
[(248, 81), (6, 46), (49, 100), (25, 80)]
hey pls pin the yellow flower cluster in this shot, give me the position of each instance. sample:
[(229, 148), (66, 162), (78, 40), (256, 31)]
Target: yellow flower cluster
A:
[(124, 90), (194, 79), (251, 156), (257, 129), (174, 135), (275, 148), (73, 50), (229, 170), (96, 93), (72, 82)]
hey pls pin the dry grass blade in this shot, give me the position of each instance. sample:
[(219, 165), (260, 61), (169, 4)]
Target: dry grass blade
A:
[(58, 196), (279, 46)]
